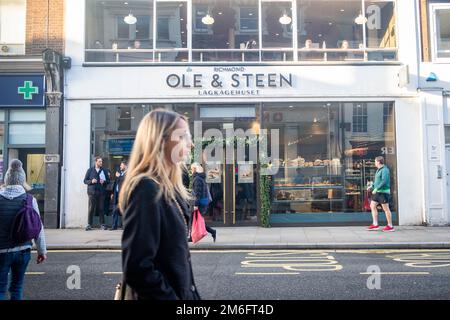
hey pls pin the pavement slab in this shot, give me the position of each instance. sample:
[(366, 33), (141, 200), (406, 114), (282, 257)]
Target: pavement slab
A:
[(408, 237)]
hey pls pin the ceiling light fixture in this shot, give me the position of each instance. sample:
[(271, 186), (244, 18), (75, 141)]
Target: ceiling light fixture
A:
[(130, 19), (208, 20), (285, 19), (360, 19)]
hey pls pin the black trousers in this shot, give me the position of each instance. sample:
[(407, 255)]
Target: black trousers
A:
[(96, 206), (204, 210)]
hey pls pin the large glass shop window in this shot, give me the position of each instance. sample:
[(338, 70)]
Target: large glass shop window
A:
[(243, 30), (230, 27), (119, 31), (114, 129), (325, 166)]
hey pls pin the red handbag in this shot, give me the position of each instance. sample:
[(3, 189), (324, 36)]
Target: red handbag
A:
[(198, 227), (366, 206)]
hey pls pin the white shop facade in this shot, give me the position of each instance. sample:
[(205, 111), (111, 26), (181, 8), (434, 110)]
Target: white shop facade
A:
[(332, 118)]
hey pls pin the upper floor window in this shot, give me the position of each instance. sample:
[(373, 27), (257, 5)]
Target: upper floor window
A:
[(441, 32), (248, 19), (12, 27), (241, 31), (359, 117), (388, 117)]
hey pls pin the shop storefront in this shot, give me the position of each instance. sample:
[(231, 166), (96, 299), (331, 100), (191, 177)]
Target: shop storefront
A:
[(326, 156), (22, 128), (331, 108)]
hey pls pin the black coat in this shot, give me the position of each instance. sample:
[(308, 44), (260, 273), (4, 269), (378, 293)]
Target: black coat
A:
[(156, 261), (117, 186), (199, 187), (96, 188)]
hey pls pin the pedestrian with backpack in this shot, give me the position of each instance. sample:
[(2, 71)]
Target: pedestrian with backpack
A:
[(20, 223)]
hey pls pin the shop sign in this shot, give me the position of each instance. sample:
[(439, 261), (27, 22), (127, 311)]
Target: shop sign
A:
[(51, 158), (213, 173), (22, 91), (387, 150), (245, 173), (120, 146), (229, 81)]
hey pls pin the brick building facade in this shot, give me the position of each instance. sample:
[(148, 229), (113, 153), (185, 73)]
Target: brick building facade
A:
[(29, 114)]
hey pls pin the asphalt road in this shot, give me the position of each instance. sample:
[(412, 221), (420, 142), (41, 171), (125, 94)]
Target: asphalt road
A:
[(259, 275)]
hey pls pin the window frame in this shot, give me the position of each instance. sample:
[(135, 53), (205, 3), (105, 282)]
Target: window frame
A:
[(192, 30), (433, 28), (22, 46), (360, 120), (243, 31)]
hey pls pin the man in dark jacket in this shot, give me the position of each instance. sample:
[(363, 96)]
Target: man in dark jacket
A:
[(120, 177), (96, 179)]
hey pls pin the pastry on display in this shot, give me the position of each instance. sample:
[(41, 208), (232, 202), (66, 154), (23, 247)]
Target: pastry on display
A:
[(318, 162)]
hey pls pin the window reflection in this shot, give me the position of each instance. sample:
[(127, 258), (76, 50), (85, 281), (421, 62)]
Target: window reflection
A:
[(231, 25), (380, 29), (324, 164), (171, 31), (119, 25), (329, 25), (277, 24), (229, 31), (443, 33), (114, 128)]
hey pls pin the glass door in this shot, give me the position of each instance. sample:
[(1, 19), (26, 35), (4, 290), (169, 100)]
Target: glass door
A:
[(232, 179), (34, 167)]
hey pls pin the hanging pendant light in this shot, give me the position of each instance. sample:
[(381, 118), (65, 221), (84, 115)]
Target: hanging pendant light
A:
[(130, 19), (208, 20), (360, 19), (285, 19)]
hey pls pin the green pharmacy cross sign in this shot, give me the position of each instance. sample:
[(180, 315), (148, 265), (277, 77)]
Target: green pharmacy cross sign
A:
[(28, 90)]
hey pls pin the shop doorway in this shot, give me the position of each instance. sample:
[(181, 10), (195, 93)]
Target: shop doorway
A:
[(233, 181), (34, 167)]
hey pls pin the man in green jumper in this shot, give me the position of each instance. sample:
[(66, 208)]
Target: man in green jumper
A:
[(380, 195)]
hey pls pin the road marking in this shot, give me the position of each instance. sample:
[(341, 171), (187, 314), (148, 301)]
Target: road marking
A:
[(84, 251), (265, 273), (361, 251), (396, 273), (291, 260), (423, 260), (111, 273), (34, 273)]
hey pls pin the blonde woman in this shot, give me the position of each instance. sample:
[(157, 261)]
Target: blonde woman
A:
[(156, 261)]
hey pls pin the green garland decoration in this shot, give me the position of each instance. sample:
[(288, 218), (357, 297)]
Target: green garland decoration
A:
[(264, 190)]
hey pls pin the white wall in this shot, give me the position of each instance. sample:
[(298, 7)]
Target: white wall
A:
[(76, 161), (433, 158), (409, 161), (89, 85), (435, 114)]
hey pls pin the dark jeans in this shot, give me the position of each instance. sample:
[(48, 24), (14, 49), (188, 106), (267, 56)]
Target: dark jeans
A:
[(96, 206), (17, 263), (116, 218)]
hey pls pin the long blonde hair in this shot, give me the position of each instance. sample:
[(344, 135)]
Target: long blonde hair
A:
[(148, 158)]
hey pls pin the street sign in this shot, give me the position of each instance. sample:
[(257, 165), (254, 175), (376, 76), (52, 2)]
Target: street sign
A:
[(51, 158), (22, 91)]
